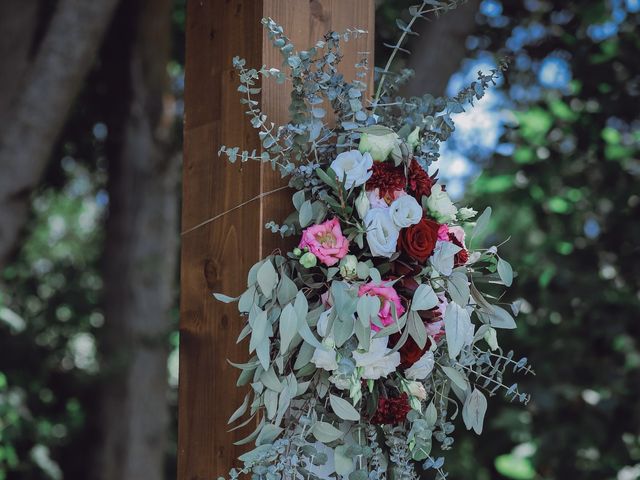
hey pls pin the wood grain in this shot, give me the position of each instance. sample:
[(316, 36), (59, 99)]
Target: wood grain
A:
[(217, 256)]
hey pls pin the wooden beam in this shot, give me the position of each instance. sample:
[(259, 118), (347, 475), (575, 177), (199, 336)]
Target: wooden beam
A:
[(217, 257)]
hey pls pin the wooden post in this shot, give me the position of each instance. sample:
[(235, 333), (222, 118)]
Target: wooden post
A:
[(217, 257)]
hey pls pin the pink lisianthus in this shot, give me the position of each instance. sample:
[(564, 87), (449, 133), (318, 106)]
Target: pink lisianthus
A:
[(387, 296), (443, 233), (325, 241)]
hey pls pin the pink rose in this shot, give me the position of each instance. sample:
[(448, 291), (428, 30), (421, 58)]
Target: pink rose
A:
[(387, 296), (443, 233), (325, 241)]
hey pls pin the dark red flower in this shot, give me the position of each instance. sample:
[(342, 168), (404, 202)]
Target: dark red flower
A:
[(387, 178), (391, 410), (420, 182), (462, 256), (418, 241), (410, 352)]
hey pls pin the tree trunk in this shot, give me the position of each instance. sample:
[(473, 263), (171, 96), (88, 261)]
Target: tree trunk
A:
[(141, 246), (37, 116), (440, 49)]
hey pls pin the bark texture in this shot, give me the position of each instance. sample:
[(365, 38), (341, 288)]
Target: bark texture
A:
[(141, 245), (439, 50), (35, 118)]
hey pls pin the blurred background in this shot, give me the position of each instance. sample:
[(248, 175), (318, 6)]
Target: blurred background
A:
[(89, 205)]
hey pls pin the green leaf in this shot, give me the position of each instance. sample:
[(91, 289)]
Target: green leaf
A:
[(262, 350), (417, 330), (505, 271), (474, 410), (344, 462), (288, 327), (431, 415), (344, 409), (247, 300), (298, 199), (456, 377), (498, 318), (481, 223), (221, 297), (443, 257), (259, 324), (287, 290), (268, 434), (424, 298), (326, 178), (270, 380), (267, 278), (458, 287), (240, 410), (250, 438), (325, 432), (456, 325), (306, 214)]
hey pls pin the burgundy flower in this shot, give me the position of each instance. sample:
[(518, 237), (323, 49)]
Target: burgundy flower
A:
[(462, 256), (391, 411), (387, 178), (418, 241), (420, 182), (410, 352)]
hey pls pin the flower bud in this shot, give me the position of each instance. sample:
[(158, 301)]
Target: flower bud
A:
[(297, 252), (379, 146), (362, 204), (308, 260), (413, 140), (348, 266), (416, 389), (466, 213), (491, 338)]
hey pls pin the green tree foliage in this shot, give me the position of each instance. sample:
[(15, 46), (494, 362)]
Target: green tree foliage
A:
[(569, 199)]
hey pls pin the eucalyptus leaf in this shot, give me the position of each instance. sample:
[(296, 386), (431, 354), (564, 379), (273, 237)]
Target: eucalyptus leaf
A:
[(306, 213), (417, 330), (240, 410), (267, 278), (481, 223), (344, 409), (456, 326), (474, 410), (221, 297), (505, 271), (424, 298), (288, 327), (456, 377), (287, 290), (458, 287), (325, 432)]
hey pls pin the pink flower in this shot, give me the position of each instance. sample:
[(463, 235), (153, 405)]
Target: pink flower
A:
[(325, 241), (387, 296), (383, 202), (458, 233), (443, 232), (436, 329)]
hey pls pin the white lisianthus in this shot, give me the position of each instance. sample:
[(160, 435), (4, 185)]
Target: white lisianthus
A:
[(440, 205), (348, 266), (362, 204), (466, 213), (376, 363), (379, 146), (405, 211), (416, 389), (325, 358), (413, 140), (355, 166), (422, 368), (382, 233)]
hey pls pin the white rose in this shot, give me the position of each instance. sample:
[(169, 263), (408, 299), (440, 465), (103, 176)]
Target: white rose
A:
[(376, 363), (355, 166), (422, 368), (405, 211), (362, 204), (325, 358), (466, 213), (416, 389), (440, 205), (380, 146), (382, 233)]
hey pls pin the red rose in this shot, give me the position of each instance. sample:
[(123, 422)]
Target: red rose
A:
[(418, 241), (392, 410), (420, 182)]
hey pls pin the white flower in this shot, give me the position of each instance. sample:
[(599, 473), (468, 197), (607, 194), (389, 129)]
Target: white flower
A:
[(355, 166), (325, 358), (376, 363), (348, 266), (466, 213), (362, 204), (405, 211), (382, 233), (440, 205), (374, 199), (416, 389), (379, 146), (422, 368)]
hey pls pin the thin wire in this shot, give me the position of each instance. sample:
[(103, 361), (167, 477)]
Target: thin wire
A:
[(257, 197)]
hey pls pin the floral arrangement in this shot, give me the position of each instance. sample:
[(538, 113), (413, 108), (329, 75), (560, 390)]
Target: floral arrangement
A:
[(372, 335)]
